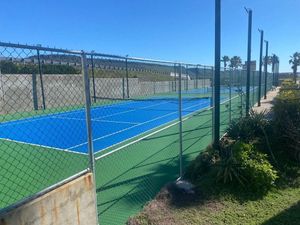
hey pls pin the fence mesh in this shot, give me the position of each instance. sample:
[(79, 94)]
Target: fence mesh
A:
[(41, 94), (148, 119)]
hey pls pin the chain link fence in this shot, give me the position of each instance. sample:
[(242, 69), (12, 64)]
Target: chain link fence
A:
[(41, 90), (135, 123)]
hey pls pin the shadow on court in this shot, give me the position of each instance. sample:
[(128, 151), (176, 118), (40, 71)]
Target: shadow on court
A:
[(135, 175)]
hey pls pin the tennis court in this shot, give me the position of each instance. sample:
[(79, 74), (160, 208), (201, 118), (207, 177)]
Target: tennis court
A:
[(139, 139), (111, 123)]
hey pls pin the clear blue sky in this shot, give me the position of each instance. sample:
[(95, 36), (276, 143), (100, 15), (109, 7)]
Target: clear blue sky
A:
[(180, 30)]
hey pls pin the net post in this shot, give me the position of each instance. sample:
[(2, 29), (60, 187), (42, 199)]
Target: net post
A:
[(41, 79), (180, 122), (93, 77), (89, 122)]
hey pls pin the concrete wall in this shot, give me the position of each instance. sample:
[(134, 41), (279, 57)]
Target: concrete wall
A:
[(16, 91), (70, 204)]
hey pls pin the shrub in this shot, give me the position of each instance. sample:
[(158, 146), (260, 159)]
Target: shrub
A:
[(8, 67), (202, 164), (256, 168), (286, 121), (247, 166), (248, 129)]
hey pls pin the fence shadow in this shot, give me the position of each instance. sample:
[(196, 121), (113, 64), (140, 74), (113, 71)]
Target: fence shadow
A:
[(290, 216), (146, 177)]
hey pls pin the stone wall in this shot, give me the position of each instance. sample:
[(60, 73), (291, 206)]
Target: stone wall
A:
[(71, 204)]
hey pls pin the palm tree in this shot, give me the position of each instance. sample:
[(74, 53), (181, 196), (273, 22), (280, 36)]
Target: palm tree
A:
[(235, 62), (295, 61), (225, 59), (269, 60), (274, 61)]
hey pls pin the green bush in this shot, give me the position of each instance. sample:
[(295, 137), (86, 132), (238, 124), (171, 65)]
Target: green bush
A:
[(8, 67), (247, 166), (286, 121), (255, 167), (237, 163), (249, 128), (288, 84), (202, 164)]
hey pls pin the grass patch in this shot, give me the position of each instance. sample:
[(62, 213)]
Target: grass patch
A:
[(215, 205)]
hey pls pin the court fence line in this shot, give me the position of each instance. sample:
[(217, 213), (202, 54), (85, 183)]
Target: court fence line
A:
[(140, 99)]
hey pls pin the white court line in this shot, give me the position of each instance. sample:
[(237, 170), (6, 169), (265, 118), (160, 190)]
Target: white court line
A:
[(132, 110), (120, 131), (43, 146), (188, 116), (53, 115), (115, 121), (83, 119)]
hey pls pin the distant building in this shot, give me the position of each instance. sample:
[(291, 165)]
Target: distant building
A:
[(252, 66), (183, 76)]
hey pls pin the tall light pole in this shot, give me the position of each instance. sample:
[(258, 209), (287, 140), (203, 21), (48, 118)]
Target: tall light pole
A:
[(249, 11), (260, 65), (216, 93), (266, 68)]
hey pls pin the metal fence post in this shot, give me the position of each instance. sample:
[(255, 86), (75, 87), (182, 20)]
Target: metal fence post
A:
[(230, 95), (260, 65), (123, 81), (180, 123), (88, 111), (175, 71), (186, 78), (266, 69), (204, 78), (216, 92), (93, 77), (41, 79), (34, 92), (212, 86), (89, 121), (253, 88), (127, 80), (249, 11), (197, 76)]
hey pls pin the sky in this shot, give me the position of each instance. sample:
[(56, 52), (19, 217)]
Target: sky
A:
[(176, 30)]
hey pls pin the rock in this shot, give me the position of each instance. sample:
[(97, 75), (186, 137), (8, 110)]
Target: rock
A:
[(185, 186)]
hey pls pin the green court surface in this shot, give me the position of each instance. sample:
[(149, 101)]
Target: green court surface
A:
[(26, 169), (128, 179), (125, 179)]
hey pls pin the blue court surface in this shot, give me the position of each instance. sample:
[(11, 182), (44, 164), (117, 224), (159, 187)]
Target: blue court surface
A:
[(111, 124)]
